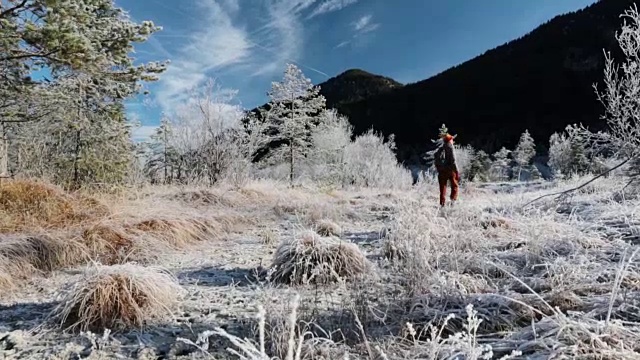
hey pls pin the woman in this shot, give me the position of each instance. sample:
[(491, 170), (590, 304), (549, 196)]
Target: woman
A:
[(445, 162)]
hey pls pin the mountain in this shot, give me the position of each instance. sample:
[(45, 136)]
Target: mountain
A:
[(542, 82), (355, 85)]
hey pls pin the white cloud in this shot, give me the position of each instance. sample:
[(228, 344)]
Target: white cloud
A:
[(331, 6), (343, 44), (361, 26), (364, 24), (220, 43), (143, 133), (224, 43), (282, 38)]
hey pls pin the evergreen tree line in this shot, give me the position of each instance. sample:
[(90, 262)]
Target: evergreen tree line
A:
[(568, 156)]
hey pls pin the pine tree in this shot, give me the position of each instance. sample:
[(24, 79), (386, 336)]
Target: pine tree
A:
[(567, 153), (295, 105), (524, 152), (70, 128), (161, 163), (479, 167), (500, 165)]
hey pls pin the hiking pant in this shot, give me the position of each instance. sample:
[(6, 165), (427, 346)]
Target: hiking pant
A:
[(445, 176)]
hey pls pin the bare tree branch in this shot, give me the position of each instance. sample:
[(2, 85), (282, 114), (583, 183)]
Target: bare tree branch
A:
[(565, 192)]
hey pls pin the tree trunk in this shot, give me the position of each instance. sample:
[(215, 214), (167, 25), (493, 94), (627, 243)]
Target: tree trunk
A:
[(76, 159), (291, 163), (4, 152)]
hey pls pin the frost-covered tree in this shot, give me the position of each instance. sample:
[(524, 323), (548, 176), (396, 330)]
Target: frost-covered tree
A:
[(162, 159), (330, 140), (85, 48), (464, 157), (567, 153), (295, 106), (559, 154), (206, 127), (501, 164), (89, 36), (524, 152), (371, 162), (85, 139), (621, 101), (479, 167), (210, 139)]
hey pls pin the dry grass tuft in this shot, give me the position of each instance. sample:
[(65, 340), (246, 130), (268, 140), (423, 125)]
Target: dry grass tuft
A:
[(25, 205), (314, 259), (109, 243), (203, 197), (118, 297), (178, 232), (269, 236), (8, 274), (43, 253), (328, 228), (496, 223)]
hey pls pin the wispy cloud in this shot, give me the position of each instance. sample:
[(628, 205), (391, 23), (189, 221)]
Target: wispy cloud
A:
[(364, 24), (225, 42), (331, 6), (361, 26), (220, 43)]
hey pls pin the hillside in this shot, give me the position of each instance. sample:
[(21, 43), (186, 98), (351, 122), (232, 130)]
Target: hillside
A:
[(355, 85), (541, 82)]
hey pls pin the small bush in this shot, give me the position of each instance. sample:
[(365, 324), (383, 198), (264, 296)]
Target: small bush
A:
[(371, 162), (314, 259), (328, 228), (118, 297)]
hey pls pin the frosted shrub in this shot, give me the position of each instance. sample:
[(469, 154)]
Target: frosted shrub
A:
[(370, 162), (330, 139), (464, 156), (567, 154)]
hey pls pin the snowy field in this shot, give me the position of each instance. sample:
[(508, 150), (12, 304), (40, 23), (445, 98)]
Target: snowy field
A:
[(485, 278)]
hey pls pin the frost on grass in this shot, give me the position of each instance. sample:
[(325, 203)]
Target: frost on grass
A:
[(118, 297), (311, 258), (328, 228), (26, 204)]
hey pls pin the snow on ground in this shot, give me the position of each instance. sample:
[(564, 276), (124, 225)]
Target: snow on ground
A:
[(551, 247)]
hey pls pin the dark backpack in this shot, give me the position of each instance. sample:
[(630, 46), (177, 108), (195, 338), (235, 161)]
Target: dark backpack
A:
[(440, 157)]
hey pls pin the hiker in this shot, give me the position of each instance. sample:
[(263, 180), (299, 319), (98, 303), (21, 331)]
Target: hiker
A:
[(445, 162)]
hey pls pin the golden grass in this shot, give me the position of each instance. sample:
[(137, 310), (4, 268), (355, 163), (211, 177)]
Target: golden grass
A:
[(42, 252), (110, 244), (314, 259), (25, 205), (118, 297), (177, 232), (43, 228)]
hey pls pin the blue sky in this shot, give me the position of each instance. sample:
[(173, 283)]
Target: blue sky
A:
[(245, 44)]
